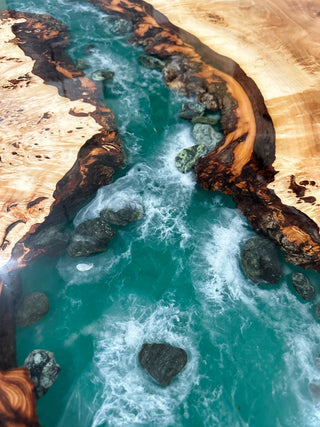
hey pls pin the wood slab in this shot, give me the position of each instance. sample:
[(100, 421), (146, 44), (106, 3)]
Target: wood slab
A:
[(273, 93), (58, 142), (17, 401), (277, 43)]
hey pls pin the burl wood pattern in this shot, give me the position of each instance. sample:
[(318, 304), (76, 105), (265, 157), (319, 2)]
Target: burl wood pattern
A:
[(246, 164), (277, 43), (17, 401), (43, 174)]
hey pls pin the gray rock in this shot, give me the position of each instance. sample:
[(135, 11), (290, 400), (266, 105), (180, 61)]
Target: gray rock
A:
[(187, 158), (318, 311), (122, 26), (175, 67), (205, 120), (82, 64), (102, 75), (314, 388), (162, 361), (88, 49), (44, 370), (189, 110), (317, 362), (90, 237), (129, 213), (206, 135), (302, 286), (51, 239), (34, 307), (260, 261), (151, 62)]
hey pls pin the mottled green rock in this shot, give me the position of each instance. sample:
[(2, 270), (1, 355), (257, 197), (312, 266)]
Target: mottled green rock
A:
[(205, 120), (90, 237), (122, 26), (151, 62), (302, 286), (260, 261), (189, 110), (129, 213), (82, 64), (44, 370), (102, 75), (187, 158), (206, 135)]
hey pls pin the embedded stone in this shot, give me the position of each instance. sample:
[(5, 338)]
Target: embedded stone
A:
[(189, 110), (314, 388), (151, 62), (302, 286), (82, 64), (317, 362), (206, 135), (34, 307), (123, 216), (260, 261), (162, 362), (44, 370), (205, 120), (187, 158), (90, 237), (102, 75), (122, 26), (88, 49)]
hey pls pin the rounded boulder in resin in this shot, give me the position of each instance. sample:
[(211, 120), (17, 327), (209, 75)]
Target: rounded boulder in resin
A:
[(260, 261), (162, 361), (34, 307), (44, 370)]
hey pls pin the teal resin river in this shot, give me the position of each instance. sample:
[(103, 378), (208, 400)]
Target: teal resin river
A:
[(174, 276)]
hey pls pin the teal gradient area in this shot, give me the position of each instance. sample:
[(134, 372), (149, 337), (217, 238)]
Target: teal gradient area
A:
[(174, 276)]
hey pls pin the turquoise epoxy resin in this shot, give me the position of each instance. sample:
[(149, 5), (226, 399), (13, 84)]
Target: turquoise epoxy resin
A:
[(172, 276)]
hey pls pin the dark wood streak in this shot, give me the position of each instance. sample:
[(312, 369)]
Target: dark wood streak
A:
[(35, 202), (8, 229), (47, 47), (208, 77), (97, 160)]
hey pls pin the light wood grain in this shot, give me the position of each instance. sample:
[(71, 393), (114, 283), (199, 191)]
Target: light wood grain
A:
[(277, 43), (17, 401), (39, 140)]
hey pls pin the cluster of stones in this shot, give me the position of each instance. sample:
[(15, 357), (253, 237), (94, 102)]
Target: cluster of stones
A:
[(261, 264), (204, 132), (89, 238), (93, 236), (120, 27), (41, 363)]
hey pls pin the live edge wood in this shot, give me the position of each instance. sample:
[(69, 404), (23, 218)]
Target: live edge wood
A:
[(58, 144), (246, 164), (58, 141)]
